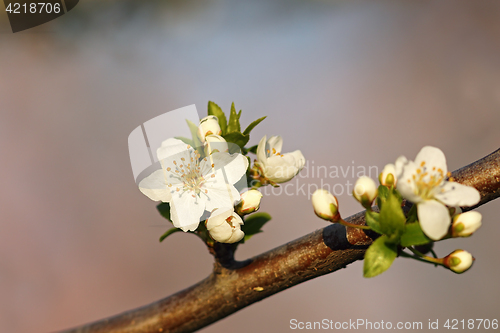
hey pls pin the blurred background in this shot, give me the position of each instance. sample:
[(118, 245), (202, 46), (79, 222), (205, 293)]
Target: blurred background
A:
[(349, 83)]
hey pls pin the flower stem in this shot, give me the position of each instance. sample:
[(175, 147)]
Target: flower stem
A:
[(352, 225), (437, 261)]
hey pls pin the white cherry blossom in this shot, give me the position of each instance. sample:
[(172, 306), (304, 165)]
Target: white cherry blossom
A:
[(275, 166), (424, 183), (192, 185)]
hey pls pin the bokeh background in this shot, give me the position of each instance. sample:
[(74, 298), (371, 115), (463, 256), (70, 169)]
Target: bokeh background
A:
[(347, 82)]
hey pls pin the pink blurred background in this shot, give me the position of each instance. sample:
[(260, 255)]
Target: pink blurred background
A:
[(362, 81)]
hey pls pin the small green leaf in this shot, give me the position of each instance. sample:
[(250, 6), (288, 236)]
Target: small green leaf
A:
[(383, 193), (164, 209), (372, 220), (194, 133), (168, 233), (254, 223), (185, 140), (252, 125), (215, 110), (414, 235), (392, 219), (234, 121), (379, 257), (238, 138), (252, 149)]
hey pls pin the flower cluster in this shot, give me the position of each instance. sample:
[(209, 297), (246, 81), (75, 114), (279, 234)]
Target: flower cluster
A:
[(435, 213), (202, 183)]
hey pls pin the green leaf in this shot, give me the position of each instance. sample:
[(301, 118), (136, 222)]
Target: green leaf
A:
[(379, 257), (252, 149), (234, 121), (164, 209), (194, 133), (414, 235), (392, 219), (238, 138), (252, 125), (383, 193), (215, 110), (254, 223), (372, 220), (185, 140), (168, 233)]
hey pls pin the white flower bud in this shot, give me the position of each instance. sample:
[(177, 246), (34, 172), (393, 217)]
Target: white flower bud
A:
[(465, 224), (325, 205), (208, 125), (459, 261), (215, 143), (224, 226), (365, 191), (388, 176), (250, 202)]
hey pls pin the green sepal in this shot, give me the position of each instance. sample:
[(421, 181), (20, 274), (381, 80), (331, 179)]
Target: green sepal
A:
[(215, 110), (252, 126), (168, 233), (372, 220), (379, 257), (392, 219), (383, 193), (252, 149), (234, 121), (414, 235), (164, 210), (237, 138), (254, 223), (194, 133)]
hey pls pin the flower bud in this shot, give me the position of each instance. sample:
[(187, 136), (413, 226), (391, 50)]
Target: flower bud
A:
[(365, 191), (458, 261), (224, 226), (250, 202), (215, 143), (465, 224), (388, 176), (208, 125), (325, 205)]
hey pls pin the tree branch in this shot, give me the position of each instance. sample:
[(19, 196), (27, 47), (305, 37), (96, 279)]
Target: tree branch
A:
[(233, 285)]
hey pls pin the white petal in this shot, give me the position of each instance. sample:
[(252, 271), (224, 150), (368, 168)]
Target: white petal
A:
[(406, 184), (221, 233), (433, 157), (236, 236), (170, 147), (276, 143), (234, 166), (455, 194), (280, 169), (434, 219), (186, 210), (155, 187), (399, 165), (261, 151), (220, 194), (218, 216), (300, 160)]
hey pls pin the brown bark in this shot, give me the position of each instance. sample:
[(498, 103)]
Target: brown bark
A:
[(233, 285)]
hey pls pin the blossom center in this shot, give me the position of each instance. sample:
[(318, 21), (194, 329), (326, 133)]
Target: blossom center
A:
[(189, 175), (427, 180)]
